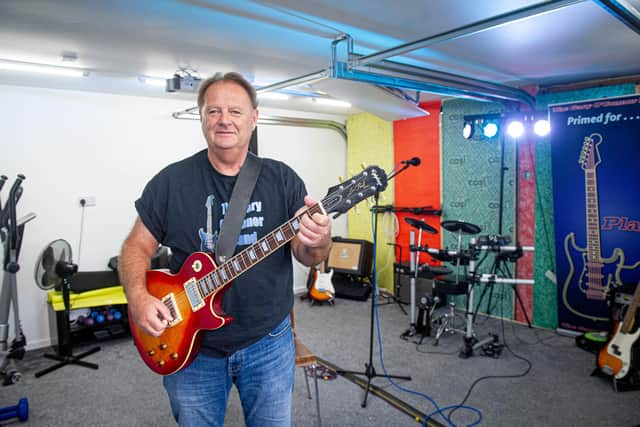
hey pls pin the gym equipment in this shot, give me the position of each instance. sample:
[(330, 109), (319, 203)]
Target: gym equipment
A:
[(19, 411), (11, 233), (53, 269)]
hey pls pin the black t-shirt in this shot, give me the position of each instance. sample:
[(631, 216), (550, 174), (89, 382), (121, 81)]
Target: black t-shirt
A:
[(184, 205)]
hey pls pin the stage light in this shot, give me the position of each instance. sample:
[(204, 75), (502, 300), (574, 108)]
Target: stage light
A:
[(489, 129), (467, 130), (542, 127), (515, 129)]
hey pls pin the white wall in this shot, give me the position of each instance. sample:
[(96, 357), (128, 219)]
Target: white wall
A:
[(70, 144)]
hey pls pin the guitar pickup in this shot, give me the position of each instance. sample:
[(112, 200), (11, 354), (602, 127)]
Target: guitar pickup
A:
[(169, 301), (195, 299)]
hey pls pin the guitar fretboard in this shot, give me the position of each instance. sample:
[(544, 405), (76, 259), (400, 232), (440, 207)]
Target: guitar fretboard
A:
[(252, 255), (595, 288)]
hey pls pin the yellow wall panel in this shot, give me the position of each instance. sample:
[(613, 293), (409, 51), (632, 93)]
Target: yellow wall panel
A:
[(370, 142)]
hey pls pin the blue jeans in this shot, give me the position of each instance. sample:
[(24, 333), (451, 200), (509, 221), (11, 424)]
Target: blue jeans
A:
[(263, 373)]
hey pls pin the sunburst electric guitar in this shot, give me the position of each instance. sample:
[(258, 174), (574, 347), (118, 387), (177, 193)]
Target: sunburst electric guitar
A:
[(194, 295), (615, 358), (321, 288)]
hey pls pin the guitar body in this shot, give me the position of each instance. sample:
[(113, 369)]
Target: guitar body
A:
[(321, 289), (179, 344), (616, 357)]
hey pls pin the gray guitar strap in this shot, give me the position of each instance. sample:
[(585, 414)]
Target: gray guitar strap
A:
[(226, 244)]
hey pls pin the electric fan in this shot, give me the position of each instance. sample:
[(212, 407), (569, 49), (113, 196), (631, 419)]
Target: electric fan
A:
[(46, 277), (53, 270)]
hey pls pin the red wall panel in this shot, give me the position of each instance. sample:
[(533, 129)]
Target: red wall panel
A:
[(418, 186)]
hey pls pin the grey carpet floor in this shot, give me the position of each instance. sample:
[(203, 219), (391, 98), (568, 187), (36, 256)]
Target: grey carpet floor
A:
[(557, 390)]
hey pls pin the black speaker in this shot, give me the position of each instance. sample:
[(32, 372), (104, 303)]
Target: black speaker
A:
[(350, 256)]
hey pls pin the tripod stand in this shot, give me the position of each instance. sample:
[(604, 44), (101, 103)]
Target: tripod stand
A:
[(370, 371), (65, 349)]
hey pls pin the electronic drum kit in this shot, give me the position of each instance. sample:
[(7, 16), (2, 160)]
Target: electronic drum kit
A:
[(445, 283)]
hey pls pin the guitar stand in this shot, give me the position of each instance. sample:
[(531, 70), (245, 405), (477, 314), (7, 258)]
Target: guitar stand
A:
[(631, 382)]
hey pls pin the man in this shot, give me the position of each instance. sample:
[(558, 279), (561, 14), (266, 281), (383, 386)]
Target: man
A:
[(183, 207)]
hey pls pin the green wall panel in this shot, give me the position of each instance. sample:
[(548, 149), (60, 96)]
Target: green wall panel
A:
[(471, 191)]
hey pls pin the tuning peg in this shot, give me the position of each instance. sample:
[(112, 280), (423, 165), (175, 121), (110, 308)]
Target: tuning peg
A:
[(341, 179), (363, 165)]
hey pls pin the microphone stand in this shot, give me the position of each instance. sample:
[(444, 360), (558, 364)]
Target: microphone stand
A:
[(370, 371)]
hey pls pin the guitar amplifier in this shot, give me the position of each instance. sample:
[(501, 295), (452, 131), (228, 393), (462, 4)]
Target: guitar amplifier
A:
[(350, 256)]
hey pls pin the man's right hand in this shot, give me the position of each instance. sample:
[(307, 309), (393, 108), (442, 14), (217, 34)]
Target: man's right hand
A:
[(149, 313)]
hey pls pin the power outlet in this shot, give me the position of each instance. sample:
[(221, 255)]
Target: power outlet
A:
[(87, 201)]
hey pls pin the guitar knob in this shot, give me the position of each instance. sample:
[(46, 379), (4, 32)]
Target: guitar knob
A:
[(161, 363), (174, 356), (151, 352), (163, 346)]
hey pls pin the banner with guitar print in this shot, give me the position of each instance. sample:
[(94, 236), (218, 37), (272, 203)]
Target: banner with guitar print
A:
[(595, 149)]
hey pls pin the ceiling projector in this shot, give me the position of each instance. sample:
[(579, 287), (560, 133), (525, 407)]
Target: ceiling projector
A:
[(180, 83)]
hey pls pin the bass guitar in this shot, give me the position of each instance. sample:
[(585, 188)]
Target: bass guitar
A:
[(194, 295), (615, 358)]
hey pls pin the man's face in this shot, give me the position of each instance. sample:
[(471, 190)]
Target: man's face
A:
[(227, 116)]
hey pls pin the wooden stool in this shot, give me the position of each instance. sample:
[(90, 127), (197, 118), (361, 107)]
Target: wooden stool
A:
[(307, 360)]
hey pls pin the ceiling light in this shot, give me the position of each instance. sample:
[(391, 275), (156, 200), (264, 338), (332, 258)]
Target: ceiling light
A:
[(40, 68), (273, 95), (542, 127), (515, 129), (332, 102)]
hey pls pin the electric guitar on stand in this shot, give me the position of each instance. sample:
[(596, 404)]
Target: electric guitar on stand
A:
[(194, 295), (321, 287), (616, 357)]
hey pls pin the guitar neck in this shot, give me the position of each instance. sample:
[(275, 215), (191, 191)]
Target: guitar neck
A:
[(630, 316), (255, 253)]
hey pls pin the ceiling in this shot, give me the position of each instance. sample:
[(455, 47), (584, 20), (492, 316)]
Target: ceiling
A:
[(421, 49)]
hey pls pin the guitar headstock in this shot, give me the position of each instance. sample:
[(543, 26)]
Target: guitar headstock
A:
[(589, 155), (342, 197)]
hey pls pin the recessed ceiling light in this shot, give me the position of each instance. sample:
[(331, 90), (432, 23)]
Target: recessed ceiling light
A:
[(332, 102), (41, 68), (273, 95)]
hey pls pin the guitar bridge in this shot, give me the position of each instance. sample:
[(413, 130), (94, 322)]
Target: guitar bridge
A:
[(195, 299), (169, 301)]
